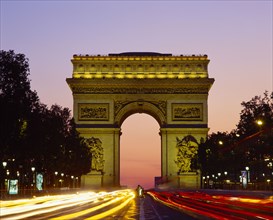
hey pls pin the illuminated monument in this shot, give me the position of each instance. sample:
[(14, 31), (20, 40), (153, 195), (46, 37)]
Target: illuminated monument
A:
[(172, 89)]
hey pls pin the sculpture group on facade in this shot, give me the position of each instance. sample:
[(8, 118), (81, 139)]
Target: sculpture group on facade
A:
[(96, 149), (187, 149)]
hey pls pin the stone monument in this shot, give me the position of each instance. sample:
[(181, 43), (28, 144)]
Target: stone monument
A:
[(173, 89)]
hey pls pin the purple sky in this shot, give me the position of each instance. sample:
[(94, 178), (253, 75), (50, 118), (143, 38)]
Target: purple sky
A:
[(236, 35)]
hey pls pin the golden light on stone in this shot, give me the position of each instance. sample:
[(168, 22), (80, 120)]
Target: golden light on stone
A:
[(159, 66), (171, 88)]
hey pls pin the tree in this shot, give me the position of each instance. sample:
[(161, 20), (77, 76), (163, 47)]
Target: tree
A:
[(249, 145), (55, 145), (77, 150), (215, 154), (17, 101), (31, 134), (257, 138), (258, 108)]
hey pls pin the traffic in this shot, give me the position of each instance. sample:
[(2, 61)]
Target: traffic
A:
[(141, 204)]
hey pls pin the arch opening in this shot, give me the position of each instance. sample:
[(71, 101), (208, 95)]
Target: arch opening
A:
[(141, 107), (140, 151)]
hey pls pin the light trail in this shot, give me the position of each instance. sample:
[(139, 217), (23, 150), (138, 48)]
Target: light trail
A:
[(104, 205), (113, 210), (33, 204), (217, 206), (20, 209)]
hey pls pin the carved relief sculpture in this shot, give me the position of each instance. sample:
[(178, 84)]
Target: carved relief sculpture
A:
[(187, 149), (96, 149), (187, 112), (93, 112)]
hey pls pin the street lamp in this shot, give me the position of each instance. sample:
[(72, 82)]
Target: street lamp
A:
[(33, 177), (247, 175), (55, 179), (72, 177), (62, 180), (77, 181), (259, 122), (4, 163)]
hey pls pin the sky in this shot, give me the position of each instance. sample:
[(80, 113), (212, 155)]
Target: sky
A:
[(236, 36)]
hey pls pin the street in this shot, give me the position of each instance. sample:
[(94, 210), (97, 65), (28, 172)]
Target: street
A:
[(123, 204)]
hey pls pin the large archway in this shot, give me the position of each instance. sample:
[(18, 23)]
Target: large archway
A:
[(140, 151), (172, 89)]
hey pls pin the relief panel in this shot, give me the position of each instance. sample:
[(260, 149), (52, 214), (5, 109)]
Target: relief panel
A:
[(93, 111), (187, 111)]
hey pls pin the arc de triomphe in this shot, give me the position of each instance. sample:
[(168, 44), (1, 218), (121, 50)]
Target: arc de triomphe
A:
[(173, 89)]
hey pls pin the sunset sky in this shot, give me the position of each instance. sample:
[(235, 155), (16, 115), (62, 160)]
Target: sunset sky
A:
[(236, 36)]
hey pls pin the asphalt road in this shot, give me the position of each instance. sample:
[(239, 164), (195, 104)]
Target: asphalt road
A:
[(122, 204), (148, 209)]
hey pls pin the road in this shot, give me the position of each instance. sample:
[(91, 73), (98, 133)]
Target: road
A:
[(122, 204)]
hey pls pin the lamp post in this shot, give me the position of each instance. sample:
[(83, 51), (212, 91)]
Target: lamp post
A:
[(248, 174), (77, 182), (62, 174), (4, 163), (55, 179), (33, 177), (203, 182), (72, 178), (259, 122)]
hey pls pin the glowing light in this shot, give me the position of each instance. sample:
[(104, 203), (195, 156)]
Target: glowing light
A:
[(4, 164), (113, 210), (20, 209)]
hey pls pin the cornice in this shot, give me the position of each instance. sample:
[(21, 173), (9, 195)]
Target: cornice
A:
[(167, 57), (122, 66), (137, 86), (140, 82), (134, 89)]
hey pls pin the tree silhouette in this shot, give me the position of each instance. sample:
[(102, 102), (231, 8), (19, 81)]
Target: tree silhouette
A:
[(31, 134)]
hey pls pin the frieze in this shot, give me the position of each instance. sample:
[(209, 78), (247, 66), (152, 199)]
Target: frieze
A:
[(88, 90)]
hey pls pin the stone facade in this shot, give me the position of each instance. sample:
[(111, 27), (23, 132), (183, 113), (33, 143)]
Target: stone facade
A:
[(172, 89)]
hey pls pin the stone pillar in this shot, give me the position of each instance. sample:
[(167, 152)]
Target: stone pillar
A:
[(171, 174), (109, 176), (164, 155)]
